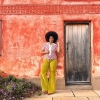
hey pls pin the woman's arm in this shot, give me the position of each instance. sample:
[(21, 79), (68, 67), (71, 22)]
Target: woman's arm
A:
[(58, 49), (45, 52)]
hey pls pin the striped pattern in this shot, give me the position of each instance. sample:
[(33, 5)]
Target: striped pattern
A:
[(53, 50)]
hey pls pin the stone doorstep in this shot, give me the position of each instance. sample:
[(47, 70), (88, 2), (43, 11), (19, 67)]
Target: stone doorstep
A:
[(85, 93), (94, 98), (66, 98), (68, 95), (97, 91), (76, 98), (70, 98), (49, 98)]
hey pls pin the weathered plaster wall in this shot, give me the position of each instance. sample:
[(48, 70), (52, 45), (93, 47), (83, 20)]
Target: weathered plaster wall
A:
[(23, 37), (96, 46), (22, 40), (49, 2)]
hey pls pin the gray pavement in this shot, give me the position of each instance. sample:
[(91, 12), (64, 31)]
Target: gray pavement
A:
[(69, 95)]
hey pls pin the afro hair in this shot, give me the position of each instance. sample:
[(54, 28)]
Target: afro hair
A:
[(51, 33)]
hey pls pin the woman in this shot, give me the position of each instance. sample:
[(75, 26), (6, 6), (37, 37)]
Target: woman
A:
[(49, 50)]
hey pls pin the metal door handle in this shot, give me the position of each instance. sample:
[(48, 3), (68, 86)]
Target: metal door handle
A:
[(67, 46)]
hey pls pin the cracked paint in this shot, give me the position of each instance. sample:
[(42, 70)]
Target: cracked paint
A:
[(23, 37)]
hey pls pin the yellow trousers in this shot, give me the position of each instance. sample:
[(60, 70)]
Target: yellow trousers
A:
[(48, 84)]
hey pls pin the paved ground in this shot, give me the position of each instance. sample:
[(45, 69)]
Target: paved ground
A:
[(69, 95)]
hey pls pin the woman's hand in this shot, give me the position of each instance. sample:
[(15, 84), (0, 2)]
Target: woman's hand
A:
[(58, 44), (45, 52), (58, 49)]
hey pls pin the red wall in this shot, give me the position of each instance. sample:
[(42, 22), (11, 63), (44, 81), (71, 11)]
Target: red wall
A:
[(23, 37), (22, 40), (48, 2)]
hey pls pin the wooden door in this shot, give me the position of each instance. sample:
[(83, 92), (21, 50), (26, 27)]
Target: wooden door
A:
[(77, 39)]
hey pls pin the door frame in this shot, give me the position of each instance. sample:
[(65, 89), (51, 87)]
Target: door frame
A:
[(65, 63)]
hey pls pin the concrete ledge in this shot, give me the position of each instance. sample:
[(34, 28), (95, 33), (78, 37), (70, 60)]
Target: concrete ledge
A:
[(35, 80), (79, 87), (60, 84), (96, 82)]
